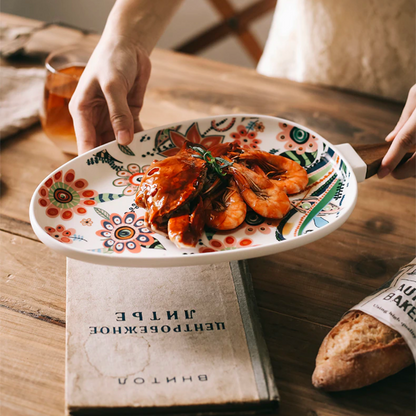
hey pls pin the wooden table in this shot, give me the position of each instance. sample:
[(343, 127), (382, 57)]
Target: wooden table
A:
[(301, 293)]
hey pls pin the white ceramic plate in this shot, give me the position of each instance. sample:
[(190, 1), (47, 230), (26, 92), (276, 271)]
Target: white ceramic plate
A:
[(85, 209)]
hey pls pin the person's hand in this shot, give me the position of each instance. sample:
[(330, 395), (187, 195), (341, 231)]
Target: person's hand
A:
[(403, 139), (109, 96)]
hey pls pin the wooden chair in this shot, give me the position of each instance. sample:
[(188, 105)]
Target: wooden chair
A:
[(233, 22)]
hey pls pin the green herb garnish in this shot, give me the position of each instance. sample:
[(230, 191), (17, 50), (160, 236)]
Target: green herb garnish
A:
[(217, 164)]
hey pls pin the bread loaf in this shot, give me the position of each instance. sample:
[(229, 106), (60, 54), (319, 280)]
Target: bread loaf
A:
[(359, 351)]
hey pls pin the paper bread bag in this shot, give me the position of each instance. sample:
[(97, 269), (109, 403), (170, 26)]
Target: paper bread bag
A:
[(375, 339)]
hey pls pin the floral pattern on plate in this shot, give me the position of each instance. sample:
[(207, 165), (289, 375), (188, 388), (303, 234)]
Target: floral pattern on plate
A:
[(246, 135), (63, 235), (64, 195), (126, 232), (130, 178), (173, 140)]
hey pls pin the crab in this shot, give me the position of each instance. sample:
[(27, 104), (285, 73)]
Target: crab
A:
[(167, 192)]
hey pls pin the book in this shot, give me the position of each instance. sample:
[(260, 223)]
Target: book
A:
[(165, 340)]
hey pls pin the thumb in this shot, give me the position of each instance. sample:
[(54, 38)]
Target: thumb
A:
[(119, 112)]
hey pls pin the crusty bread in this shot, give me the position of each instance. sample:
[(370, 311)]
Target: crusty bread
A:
[(359, 351)]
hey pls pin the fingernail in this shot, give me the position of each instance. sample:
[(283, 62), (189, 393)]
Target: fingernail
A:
[(383, 172), (123, 137)]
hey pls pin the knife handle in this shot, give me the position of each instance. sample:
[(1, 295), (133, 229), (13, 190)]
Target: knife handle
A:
[(373, 154)]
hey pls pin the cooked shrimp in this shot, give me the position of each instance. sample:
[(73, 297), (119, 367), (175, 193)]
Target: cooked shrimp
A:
[(186, 229), (225, 209), (288, 173), (261, 194)]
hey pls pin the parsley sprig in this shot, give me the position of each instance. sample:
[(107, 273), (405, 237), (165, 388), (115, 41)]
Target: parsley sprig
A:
[(217, 164)]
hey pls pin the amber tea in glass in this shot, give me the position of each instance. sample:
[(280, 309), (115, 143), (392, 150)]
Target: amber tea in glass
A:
[(64, 69)]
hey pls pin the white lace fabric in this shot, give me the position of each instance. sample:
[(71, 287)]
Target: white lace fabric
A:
[(361, 45)]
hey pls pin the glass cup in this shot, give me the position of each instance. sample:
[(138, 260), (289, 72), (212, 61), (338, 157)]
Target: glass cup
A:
[(64, 69)]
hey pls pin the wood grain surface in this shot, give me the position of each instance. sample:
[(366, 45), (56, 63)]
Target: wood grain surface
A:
[(301, 293)]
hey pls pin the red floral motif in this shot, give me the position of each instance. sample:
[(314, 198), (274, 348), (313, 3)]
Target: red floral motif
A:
[(61, 234), (229, 243), (64, 195), (193, 135), (125, 232), (246, 139)]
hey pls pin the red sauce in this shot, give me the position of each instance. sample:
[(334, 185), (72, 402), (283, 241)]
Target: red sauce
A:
[(170, 183)]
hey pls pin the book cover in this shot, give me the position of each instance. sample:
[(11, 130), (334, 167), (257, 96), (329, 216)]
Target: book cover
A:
[(165, 340)]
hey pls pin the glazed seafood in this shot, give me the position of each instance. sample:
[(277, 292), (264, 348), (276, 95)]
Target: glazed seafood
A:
[(291, 176), (225, 209), (215, 187), (260, 193), (169, 186)]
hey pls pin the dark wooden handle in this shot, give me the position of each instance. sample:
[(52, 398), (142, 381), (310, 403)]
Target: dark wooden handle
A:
[(372, 155)]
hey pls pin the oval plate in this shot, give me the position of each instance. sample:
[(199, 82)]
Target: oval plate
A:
[(86, 210)]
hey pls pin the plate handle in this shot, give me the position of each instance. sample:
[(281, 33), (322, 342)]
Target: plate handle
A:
[(358, 165)]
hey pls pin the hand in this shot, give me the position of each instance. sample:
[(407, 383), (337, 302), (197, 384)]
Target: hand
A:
[(403, 139), (109, 96)]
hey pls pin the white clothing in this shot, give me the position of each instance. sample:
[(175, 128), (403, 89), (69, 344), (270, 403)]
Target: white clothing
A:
[(362, 45)]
